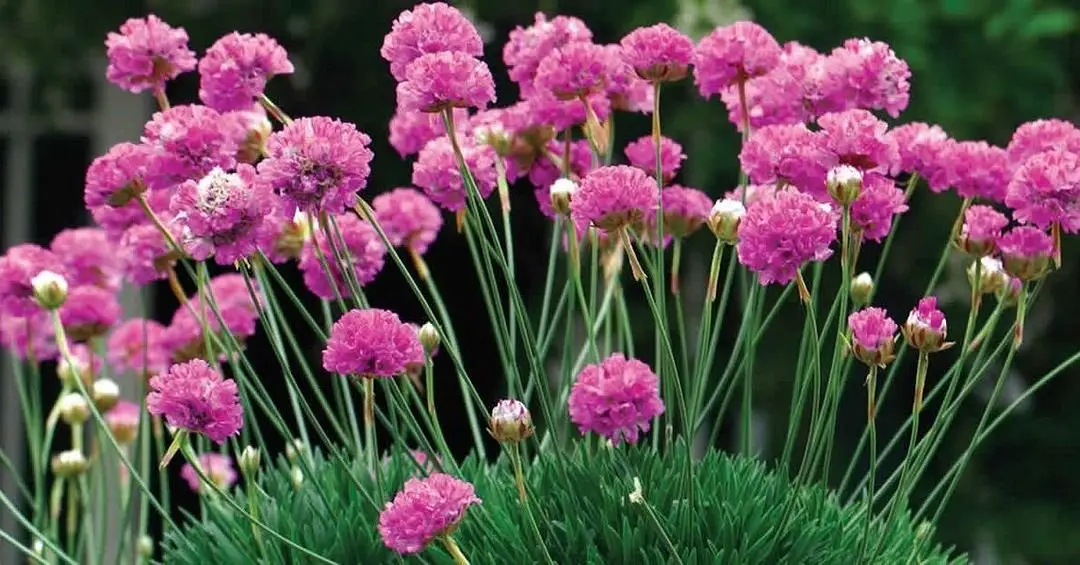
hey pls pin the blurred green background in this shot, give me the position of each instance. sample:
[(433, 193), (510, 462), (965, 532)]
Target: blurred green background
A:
[(980, 68)]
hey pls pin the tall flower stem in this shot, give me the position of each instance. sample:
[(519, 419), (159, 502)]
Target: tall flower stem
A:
[(519, 475), (631, 255), (899, 500), (140, 198), (871, 415), (454, 551), (369, 423)]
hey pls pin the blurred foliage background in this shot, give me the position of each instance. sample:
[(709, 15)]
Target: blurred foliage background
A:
[(980, 68)]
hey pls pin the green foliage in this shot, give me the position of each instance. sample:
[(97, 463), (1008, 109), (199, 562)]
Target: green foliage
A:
[(744, 514)]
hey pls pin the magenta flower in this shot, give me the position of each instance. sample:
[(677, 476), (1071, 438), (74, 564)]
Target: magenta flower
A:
[(217, 467), (146, 53), (625, 90), (1045, 191), (754, 193), (685, 210), (451, 79), (544, 172), (317, 164), (146, 255), (732, 54), (879, 202), (788, 94), (28, 337), (89, 312), (123, 421), (18, 266), (658, 53), (642, 154), (926, 328), (615, 197), (778, 235), (116, 177), (857, 138), (423, 510), (135, 347), (981, 230), (281, 238), (526, 47), (189, 141), (115, 220), (232, 310), (436, 171), (920, 148), (870, 76), (193, 396), (791, 154), (88, 257), (221, 213), (565, 114), (410, 130), (371, 343), (573, 71), (408, 217), (975, 169), (358, 244), (1026, 252), (1035, 137), (428, 28), (873, 336), (616, 399), (234, 72)]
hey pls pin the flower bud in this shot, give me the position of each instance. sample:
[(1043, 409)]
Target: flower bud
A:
[(146, 546), (510, 421), (724, 219), (50, 289), (70, 463), (105, 393), (991, 275), (844, 184), (73, 408), (429, 338), (862, 286), (496, 137), (562, 192), (294, 450), (38, 547), (297, 477), (249, 461), (926, 327), (68, 372)]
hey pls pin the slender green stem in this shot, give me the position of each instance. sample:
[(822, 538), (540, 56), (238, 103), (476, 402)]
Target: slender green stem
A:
[(871, 413)]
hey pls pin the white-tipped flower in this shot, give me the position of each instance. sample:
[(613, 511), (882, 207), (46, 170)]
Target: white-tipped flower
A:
[(73, 408), (50, 289), (294, 449), (991, 275), (510, 421), (862, 286), (70, 463), (562, 192), (105, 393), (724, 219), (844, 183), (249, 461), (429, 338)]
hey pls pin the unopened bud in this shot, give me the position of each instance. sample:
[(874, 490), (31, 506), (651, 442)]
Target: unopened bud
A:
[(146, 546), (38, 547), (844, 184), (562, 192), (862, 286), (70, 463), (294, 450), (725, 218), (73, 408), (510, 421), (105, 394), (50, 289), (297, 477), (68, 372), (991, 275), (249, 461), (429, 338), (926, 327)]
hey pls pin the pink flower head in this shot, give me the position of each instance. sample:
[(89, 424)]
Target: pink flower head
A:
[(526, 47), (423, 510), (317, 164), (615, 197), (616, 399), (732, 54), (857, 138), (409, 218), (981, 230), (254, 125), (146, 53), (410, 130), (354, 241), (116, 177), (217, 467), (189, 141), (135, 347), (236, 67), (871, 76), (626, 90), (658, 53), (873, 336), (573, 71), (450, 79), (754, 193), (231, 310), (18, 266), (281, 238), (89, 258), (89, 312), (1026, 252), (123, 420), (147, 256), (920, 148), (1045, 191), (428, 28), (685, 210), (778, 235), (371, 343), (789, 153), (1035, 137), (114, 220), (788, 94), (544, 173), (974, 169), (878, 203), (29, 337), (642, 154), (193, 396), (221, 213), (565, 114), (926, 328), (437, 173)]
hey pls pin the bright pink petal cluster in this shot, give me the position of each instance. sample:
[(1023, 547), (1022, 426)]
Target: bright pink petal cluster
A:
[(232, 310), (789, 94), (873, 334), (926, 327), (1035, 137), (615, 197), (449, 79), (920, 147), (146, 53), (616, 399), (123, 420), (189, 141), (371, 343), (981, 230), (436, 171), (89, 312), (409, 218), (791, 154), (732, 54), (642, 154), (1026, 252), (89, 257), (358, 244), (573, 71), (217, 467), (871, 76), (234, 72), (18, 266), (658, 53), (526, 47), (193, 396), (857, 138), (544, 172), (114, 178), (114, 220), (1045, 191), (410, 130), (135, 347), (685, 210), (221, 213), (550, 111), (878, 203), (778, 235), (428, 28), (626, 91), (145, 252), (28, 337), (423, 510), (975, 169)]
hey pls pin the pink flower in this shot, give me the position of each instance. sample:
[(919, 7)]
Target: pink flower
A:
[(1026, 252), (778, 235), (626, 90), (920, 148), (28, 337), (658, 53), (615, 197), (732, 54), (544, 173), (526, 47), (114, 178), (974, 169), (789, 153), (146, 53), (281, 238), (565, 114), (371, 343), (642, 154), (221, 213), (925, 328), (89, 258), (358, 244), (189, 141), (123, 421), (685, 210), (317, 164), (423, 510), (1045, 191), (451, 79), (408, 217), (18, 266), (981, 230), (1035, 137), (573, 71), (89, 312), (232, 310), (437, 173), (217, 467), (788, 94), (410, 130), (616, 399), (236, 67), (428, 28), (146, 254), (115, 220), (878, 203), (135, 347), (871, 76), (754, 193), (193, 396), (873, 336), (857, 138)]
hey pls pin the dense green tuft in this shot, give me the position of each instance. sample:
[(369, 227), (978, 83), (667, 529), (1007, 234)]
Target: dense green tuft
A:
[(744, 514)]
